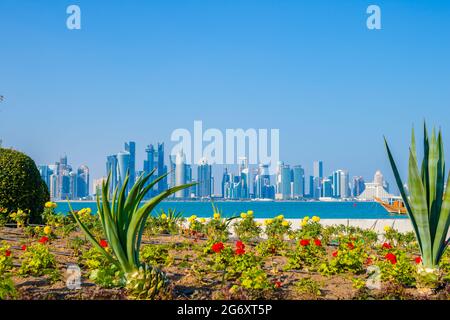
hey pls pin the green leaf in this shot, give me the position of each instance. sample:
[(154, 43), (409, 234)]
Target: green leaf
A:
[(419, 208)]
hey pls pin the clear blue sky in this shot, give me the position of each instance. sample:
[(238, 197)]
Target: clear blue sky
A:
[(139, 69)]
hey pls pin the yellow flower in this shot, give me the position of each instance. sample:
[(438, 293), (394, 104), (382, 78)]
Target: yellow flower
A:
[(280, 217), (37, 229), (88, 210), (285, 223), (163, 216), (306, 218), (192, 218), (303, 223), (315, 219), (268, 222), (387, 228), (82, 211), (216, 215), (202, 220), (48, 204), (250, 213), (243, 215), (47, 230)]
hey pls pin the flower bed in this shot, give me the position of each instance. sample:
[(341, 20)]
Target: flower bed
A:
[(202, 260)]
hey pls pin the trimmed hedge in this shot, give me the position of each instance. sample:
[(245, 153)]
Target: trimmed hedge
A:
[(21, 186)]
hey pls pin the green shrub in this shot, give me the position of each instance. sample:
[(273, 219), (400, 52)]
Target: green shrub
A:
[(21, 186)]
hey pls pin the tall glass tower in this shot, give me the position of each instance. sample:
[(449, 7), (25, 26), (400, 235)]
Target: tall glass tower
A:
[(130, 147), (123, 167), (180, 174), (204, 178), (111, 167), (298, 174)]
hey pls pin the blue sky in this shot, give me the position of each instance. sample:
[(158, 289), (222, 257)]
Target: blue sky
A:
[(137, 70)]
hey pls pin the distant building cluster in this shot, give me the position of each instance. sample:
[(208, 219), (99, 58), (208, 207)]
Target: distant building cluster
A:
[(65, 183), (242, 182)]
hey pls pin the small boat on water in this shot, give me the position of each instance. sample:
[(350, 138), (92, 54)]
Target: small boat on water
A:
[(393, 206)]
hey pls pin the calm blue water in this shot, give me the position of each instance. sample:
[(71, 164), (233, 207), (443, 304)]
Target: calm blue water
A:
[(292, 210)]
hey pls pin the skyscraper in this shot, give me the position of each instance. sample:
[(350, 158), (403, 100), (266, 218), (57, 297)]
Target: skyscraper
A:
[(244, 178), (337, 183), (327, 188), (318, 169), (180, 173), (111, 168), (345, 187), (358, 186), (318, 177), (82, 181), (162, 168), (45, 173), (130, 147), (123, 167), (226, 179), (204, 178), (262, 187), (298, 181)]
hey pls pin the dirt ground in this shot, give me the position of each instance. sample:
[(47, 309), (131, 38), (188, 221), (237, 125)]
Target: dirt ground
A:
[(185, 284)]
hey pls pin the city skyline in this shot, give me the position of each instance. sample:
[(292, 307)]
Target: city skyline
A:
[(290, 181)]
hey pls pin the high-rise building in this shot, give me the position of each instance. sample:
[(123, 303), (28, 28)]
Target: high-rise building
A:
[(283, 181), (130, 147), (337, 182), (123, 167), (244, 173), (97, 186), (82, 182), (204, 178), (180, 174), (45, 173), (53, 187), (341, 185), (298, 182), (73, 185), (327, 188), (318, 169), (358, 186), (318, 177), (344, 185), (226, 179), (262, 187), (162, 168), (111, 169), (149, 165), (172, 159)]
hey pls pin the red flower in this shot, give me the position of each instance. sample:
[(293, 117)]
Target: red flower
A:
[(350, 245), (317, 242), (240, 248), (7, 253), (217, 247), (391, 257), (43, 240), (23, 248), (304, 242), (369, 261), (240, 245), (103, 243), (277, 284), (387, 245), (418, 260), (335, 253)]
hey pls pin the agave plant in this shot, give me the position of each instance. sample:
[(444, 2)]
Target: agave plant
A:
[(428, 202), (123, 221)]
